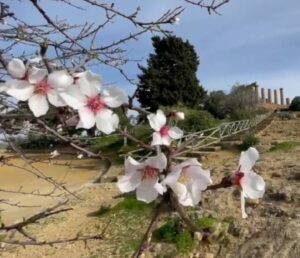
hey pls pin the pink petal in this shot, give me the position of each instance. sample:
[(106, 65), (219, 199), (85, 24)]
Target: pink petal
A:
[(159, 161), (156, 139), (36, 75), (55, 99), (130, 182), (253, 185), (60, 80), (73, 97), (145, 191), (175, 133), (89, 83)]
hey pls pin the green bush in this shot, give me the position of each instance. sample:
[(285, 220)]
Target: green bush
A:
[(249, 141), (285, 146), (184, 242), (39, 142), (295, 105), (241, 114)]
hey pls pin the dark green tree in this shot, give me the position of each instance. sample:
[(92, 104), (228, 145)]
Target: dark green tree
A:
[(295, 105), (216, 104), (170, 77)]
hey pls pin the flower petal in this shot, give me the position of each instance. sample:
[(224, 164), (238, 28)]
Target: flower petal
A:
[(166, 140), (244, 214), (156, 139), (16, 68), (89, 83), (253, 185), (107, 122), (87, 118), (35, 75), (55, 99), (3, 87), (175, 133), (248, 159), (19, 89), (159, 161), (158, 120), (114, 97), (130, 182), (73, 97), (131, 165), (145, 191), (38, 104), (172, 177), (60, 80), (182, 194)]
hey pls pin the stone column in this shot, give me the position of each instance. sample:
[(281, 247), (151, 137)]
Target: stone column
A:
[(275, 97), (288, 101), (281, 96), (263, 96), (270, 96), (256, 93)]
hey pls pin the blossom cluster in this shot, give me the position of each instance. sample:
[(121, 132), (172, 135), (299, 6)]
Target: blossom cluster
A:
[(80, 91), (188, 179), (150, 178)]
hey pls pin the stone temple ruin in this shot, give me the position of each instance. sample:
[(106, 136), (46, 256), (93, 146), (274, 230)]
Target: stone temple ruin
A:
[(272, 96)]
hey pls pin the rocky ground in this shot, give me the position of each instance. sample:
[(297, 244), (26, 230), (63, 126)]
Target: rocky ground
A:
[(271, 230)]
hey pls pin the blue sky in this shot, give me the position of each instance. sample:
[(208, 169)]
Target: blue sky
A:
[(257, 40)]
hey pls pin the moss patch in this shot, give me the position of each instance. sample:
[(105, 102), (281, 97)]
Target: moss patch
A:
[(285, 146)]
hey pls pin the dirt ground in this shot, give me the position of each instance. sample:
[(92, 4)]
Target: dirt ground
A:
[(272, 229)]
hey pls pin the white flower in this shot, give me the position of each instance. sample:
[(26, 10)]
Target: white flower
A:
[(84, 95), (178, 115), (143, 177), (79, 156), (163, 134), (32, 84), (252, 185), (187, 180), (54, 154), (176, 20)]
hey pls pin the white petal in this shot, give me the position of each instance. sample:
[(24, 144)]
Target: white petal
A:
[(87, 118), (253, 185), (89, 83), (60, 80), (130, 182), (159, 161), (248, 159), (16, 68), (131, 165), (38, 104), (35, 75), (159, 188), (195, 188), (166, 140), (156, 139), (146, 192), (182, 194), (19, 89), (175, 133), (158, 120), (244, 214), (73, 97), (3, 87), (114, 97), (172, 177), (55, 99), (107, 122), (196, 172)]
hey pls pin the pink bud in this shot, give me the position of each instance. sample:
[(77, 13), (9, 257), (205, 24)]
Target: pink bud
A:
[(178, 115)]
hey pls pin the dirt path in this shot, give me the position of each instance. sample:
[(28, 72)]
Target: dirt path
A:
[(272, 229)]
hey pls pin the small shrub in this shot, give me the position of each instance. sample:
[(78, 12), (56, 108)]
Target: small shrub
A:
[(168, 231), (295, 105), (249, 141), (184, 242), (285, 146), (241, 114)]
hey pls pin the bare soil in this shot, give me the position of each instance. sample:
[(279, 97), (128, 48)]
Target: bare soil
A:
[(272, 229)]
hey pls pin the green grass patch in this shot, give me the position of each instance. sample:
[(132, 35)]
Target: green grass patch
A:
[(2, 238), (167, 232), (206, 223), (249, 141), (285, 146), (184, 242)]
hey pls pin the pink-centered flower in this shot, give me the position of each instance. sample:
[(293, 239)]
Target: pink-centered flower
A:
[(93, 107), (251, 184), (163, 134), (143, 177), (188, 180), (36, 86)]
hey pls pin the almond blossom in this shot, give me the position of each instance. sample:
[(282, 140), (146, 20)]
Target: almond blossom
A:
[(163, 134), (93, 107), (143, 177), (187, 180), (251, 184), (33, 84)]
